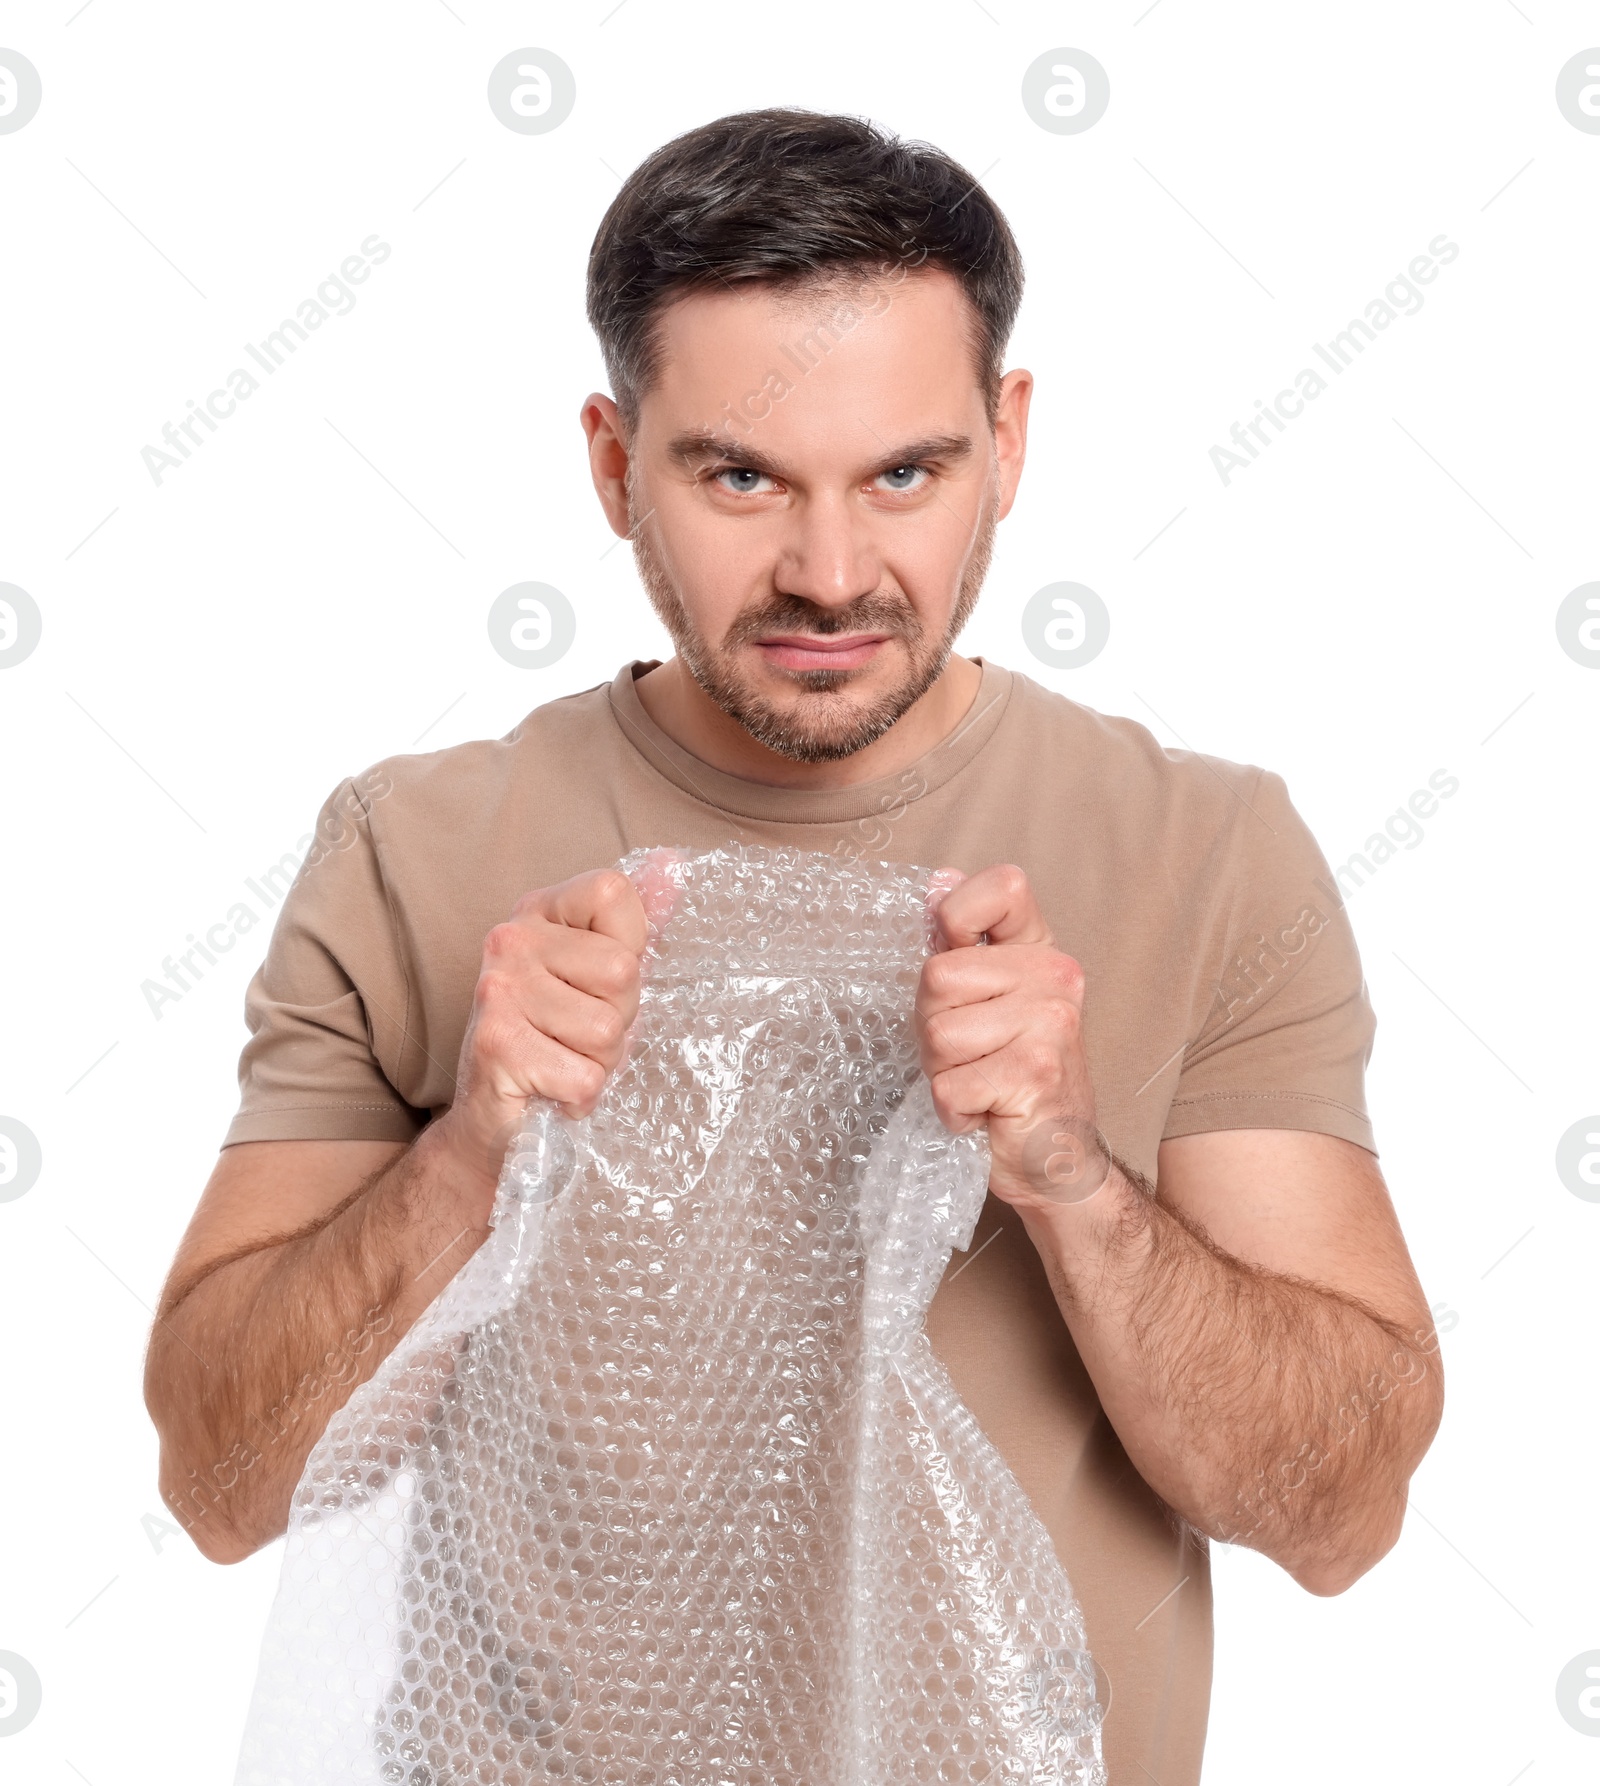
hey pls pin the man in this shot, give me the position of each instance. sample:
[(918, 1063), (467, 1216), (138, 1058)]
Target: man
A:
[(1188, 1311)]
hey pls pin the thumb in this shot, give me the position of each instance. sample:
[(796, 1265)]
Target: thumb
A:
[(659, 881), (941, 883)]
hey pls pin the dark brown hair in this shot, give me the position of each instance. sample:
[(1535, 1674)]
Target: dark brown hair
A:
[(791, 198)]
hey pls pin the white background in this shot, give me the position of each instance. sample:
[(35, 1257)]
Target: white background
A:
[(1373, 600)]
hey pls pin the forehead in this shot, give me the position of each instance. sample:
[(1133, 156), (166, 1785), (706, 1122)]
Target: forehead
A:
[(891, 353)]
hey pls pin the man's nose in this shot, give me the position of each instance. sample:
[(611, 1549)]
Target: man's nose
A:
[(828, 555)]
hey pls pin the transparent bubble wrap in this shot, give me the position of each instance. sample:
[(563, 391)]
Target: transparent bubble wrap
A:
[(666, 1487)]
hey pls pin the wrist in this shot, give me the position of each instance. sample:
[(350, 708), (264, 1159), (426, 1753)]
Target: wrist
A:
[(1110, 1227), (456, 1170)]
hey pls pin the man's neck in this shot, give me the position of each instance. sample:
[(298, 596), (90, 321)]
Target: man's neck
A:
[(694, 722)]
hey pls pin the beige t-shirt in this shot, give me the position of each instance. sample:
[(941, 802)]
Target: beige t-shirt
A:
[(1224, 990)]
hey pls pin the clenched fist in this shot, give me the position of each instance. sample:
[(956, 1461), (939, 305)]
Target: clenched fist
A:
[(1000, 1026), (557, 992)]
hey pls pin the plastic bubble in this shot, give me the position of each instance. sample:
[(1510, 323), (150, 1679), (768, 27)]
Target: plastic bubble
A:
[(667, 1487)]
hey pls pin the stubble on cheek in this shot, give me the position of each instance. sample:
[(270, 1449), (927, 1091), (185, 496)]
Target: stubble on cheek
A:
[(820, 721)]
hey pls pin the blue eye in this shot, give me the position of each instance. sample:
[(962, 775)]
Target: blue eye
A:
[(740, 479), (903, 477)]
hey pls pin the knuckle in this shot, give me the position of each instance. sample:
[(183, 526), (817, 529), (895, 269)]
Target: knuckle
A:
[(1065, 972), (938, 974), (615, 970), (491, 1044), (611, 888), (503, 942), (1065, 1017), (588, 1078), (493, 988), (1036, 1060)]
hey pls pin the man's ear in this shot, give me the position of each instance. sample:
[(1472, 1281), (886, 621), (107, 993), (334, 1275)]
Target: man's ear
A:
[(1011, 434), (608, 458)]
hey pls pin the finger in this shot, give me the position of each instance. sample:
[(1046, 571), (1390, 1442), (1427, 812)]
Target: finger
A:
[(979, 1089), (659, 886), (529, 954), (963, 1098), (971, 1033), (591, 1026), (590, 963), (968, 976), (941, 883), (604, 900), (568, 1078), (997, 902), (513, 1059)]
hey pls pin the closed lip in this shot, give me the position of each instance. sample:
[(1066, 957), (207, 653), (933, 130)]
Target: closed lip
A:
[(824, 642)]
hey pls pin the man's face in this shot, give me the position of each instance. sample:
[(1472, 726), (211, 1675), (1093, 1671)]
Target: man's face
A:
[(813, 485)]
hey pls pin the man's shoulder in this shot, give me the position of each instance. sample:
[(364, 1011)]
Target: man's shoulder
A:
[(1119, 764), (471, 781)]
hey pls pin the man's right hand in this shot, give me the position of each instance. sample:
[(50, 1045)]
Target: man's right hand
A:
[(557, 992), (357, 1237)]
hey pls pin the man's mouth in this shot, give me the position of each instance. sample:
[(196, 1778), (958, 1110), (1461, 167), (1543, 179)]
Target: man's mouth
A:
[(819, 651)]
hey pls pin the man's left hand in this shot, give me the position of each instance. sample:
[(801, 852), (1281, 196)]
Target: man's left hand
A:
[(1001, 1029)]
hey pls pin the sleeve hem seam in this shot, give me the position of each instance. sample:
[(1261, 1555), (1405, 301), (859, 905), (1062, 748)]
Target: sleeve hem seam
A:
[(1268, 1097), (344, 1104)]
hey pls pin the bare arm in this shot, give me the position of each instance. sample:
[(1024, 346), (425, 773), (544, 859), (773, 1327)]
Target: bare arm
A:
[(306, 1261), (254, 1348), (1258, 1340), (1253, 1326)]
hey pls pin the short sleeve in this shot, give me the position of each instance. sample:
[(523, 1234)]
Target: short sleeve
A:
[(332, 987), (1282, 1028)]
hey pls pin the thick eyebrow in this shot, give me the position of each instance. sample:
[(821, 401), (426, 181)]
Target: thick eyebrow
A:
[(702, 447)]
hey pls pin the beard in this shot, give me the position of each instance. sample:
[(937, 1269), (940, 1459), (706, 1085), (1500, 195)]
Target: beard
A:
[(824, 723)]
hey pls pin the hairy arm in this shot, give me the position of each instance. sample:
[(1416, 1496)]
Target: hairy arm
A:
[(257, 1344), (1253, 1326), (307, 1261), (1276, 1391)]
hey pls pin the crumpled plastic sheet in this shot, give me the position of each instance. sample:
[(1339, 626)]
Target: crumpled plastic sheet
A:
[(667, 1487)]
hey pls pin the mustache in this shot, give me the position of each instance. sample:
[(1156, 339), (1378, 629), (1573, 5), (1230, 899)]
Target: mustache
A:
[(877, 611)]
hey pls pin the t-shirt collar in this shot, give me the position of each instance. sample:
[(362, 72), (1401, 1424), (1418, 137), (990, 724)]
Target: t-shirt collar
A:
[(757, 800)]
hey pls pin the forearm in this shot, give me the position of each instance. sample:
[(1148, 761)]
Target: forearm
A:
[(247, 1364), (1265, 1410)]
